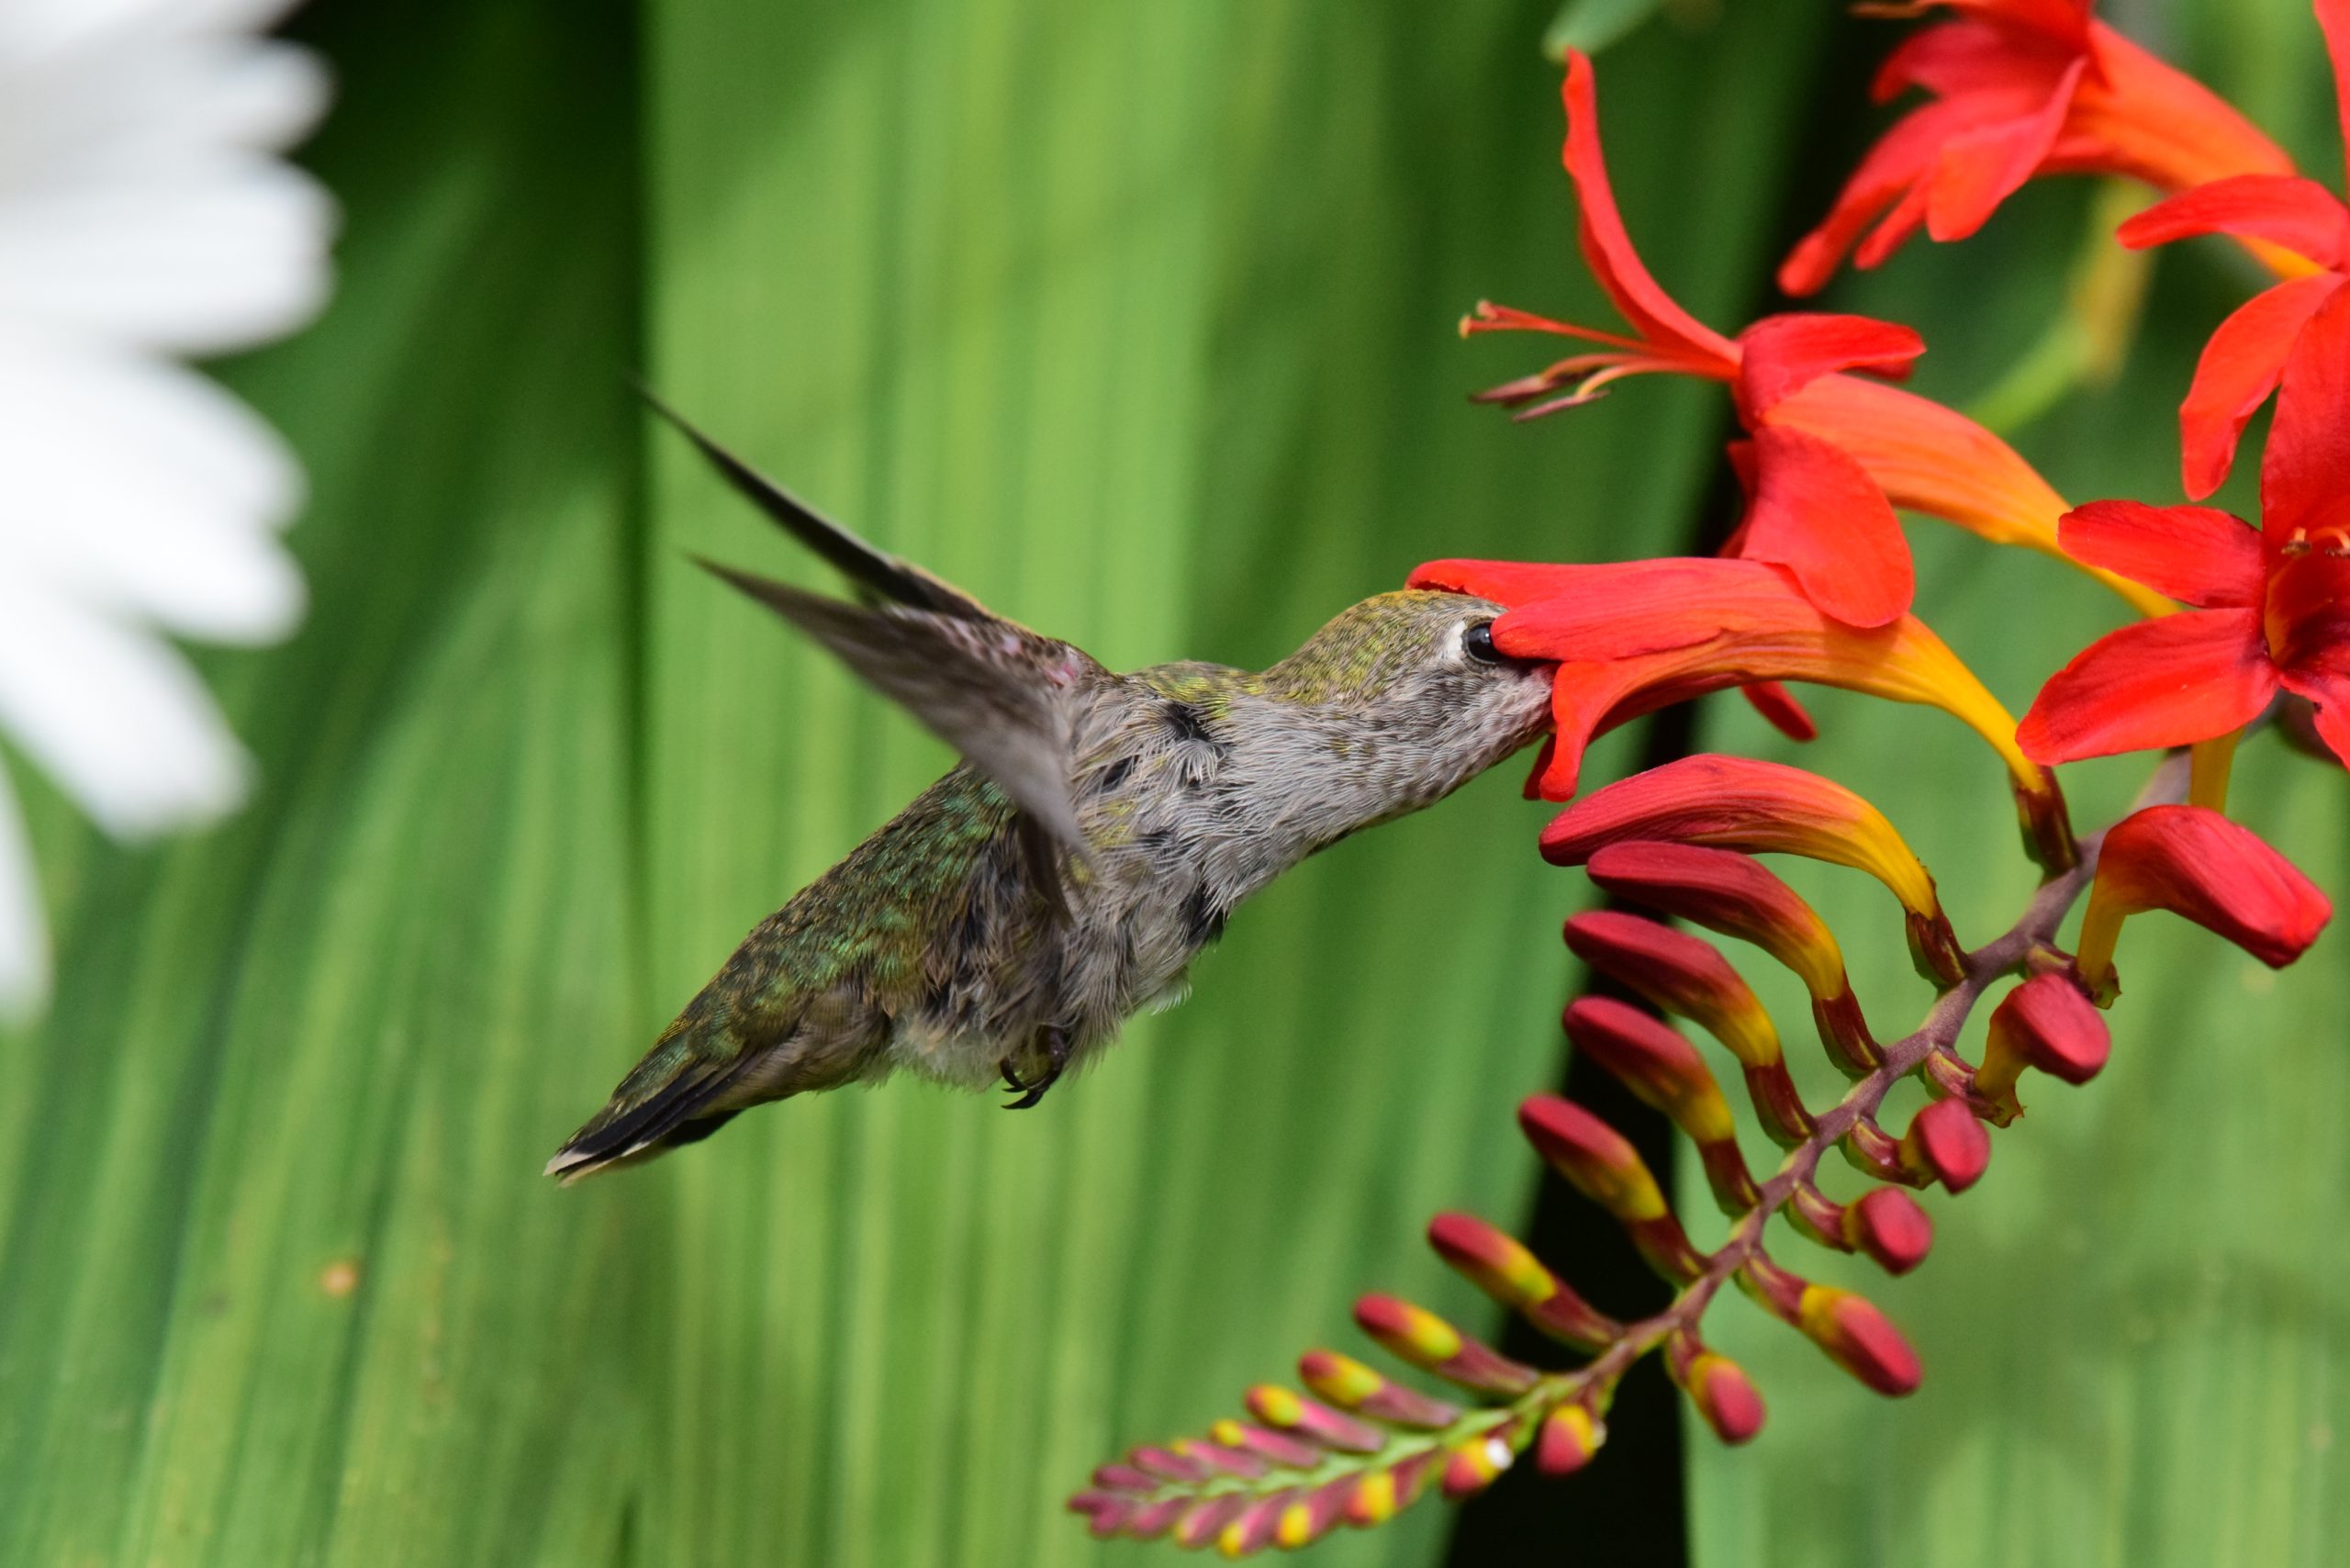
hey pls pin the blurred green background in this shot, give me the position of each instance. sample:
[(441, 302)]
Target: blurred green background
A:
[(1135, 319)]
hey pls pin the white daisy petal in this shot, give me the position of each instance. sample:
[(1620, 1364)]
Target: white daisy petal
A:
[(233, 257), (48, 27), (114, 716), (146, 490), (153, 107), (142, 214), (24, 935)]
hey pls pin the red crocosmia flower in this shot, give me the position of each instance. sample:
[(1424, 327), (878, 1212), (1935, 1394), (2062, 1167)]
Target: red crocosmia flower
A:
[(2241, 363), (2197, 864), (1828, 455), (2020, 88), (2273, 607), (1631, 637)]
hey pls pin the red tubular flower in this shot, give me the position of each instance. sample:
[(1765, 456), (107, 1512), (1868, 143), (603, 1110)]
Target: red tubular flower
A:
[(2273, 607), (1634, 636), (2297, 216), (1828, 455), (2195, 863), (2020, 88)]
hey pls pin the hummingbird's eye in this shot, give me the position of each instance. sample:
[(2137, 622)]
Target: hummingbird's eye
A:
[(1477, 641)]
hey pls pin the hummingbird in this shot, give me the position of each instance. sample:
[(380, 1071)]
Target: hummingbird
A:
[(1094, 838)]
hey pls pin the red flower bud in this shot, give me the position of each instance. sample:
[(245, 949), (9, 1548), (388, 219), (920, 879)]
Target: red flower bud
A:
[(1857, 1337), (1723, 1394), (1502, 1268), (1204, 1520), (2045, 1023), (1608, 1171), (1887, 1225), (1682, 974), (1275, 1448), (1759, 807), (1656, 1064), (1570, 1436), (1726, 892), (1471, 1467), (1253, 1529), (1946, 1142), (1350, 1385), (1287, 1412), (2195, 863), (1416, 1334)]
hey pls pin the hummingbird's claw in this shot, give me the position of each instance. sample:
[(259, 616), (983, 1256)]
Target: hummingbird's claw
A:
[(1057, 1056)]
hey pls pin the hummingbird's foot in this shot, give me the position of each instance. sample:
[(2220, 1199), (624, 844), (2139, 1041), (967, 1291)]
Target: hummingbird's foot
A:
[(1056, 1045)]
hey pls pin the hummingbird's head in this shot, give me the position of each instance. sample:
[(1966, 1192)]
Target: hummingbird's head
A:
[(1413, 688)]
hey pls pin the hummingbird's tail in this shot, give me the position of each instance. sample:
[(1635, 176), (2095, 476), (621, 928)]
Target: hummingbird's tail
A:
[(675, 1096)]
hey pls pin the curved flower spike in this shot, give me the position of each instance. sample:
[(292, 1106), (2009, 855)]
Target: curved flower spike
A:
[(1738, 896), (1743, 804), (2195, 863), (1632, 637), (2020, 88), (1830, 455), (2045, 1023)]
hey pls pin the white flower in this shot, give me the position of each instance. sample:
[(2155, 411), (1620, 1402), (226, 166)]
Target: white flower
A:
[(143, 215)]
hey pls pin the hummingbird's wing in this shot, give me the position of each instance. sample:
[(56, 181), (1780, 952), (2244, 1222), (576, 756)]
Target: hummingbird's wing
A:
[(999, 694), (878, 576)]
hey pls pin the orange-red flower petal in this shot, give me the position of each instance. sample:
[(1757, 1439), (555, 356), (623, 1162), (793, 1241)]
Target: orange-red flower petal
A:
[(2286, 209), (2019, 90), (2159, 683), (1780, 355), (1606, 248), (2238, 368), (2199, 555), (2303, 492), (1817, 512)]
